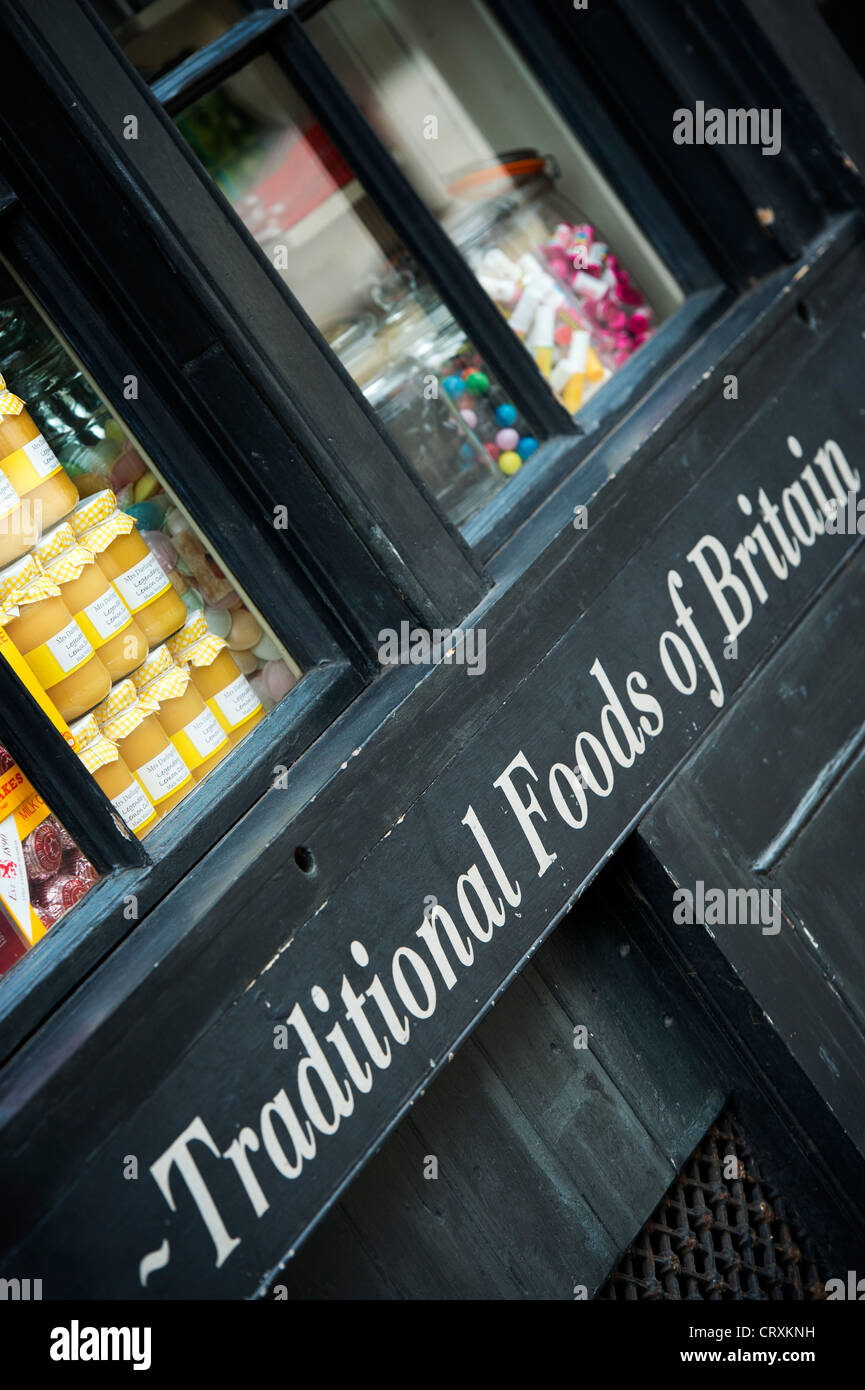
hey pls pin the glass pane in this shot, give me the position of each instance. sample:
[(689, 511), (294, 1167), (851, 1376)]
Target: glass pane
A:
[(156, 35), (114, 609), (343, 261), (548, 239), (42, 871)]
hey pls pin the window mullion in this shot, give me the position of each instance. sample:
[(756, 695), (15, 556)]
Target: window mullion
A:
[(418, 228), (62, 780), (244, 41)]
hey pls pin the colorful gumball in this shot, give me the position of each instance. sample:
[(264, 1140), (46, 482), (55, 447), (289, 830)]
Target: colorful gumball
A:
[(453, 385), (478, 383), (470, 418), (527, 446), (506, 414), (507, 439), (509, 462)]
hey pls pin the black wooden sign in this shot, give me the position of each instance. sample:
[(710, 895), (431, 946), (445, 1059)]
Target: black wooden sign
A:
[(222, 1169)]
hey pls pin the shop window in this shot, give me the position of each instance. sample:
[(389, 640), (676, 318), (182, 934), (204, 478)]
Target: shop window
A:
[(508, 180), (363, 290), (115, 610), (570, 285)]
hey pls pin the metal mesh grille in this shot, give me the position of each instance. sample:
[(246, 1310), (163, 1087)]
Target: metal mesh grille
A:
[(715, 1237)]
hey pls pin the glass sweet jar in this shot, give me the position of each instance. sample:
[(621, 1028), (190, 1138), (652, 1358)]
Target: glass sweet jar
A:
[(553, 275), (437, 397)]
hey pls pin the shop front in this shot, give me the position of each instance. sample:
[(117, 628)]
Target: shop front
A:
[(430, 606)]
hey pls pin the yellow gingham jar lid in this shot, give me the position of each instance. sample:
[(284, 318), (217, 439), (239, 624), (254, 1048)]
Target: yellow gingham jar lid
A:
[(91, 744), (54, 542), (158, 676), (97, 519), (194, 643), (70, 565), (91, 510), (9, 404), (123, 710), (24, 582)]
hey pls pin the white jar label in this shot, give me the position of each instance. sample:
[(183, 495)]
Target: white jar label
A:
[(69, 647), (205, 734), (142, 584), (237, 702), (42, 457), (9, 498), (164, 774), (108, 614), (133, 806)]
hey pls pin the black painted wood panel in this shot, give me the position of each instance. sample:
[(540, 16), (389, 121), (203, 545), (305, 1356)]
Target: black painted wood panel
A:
[(774, 802), (548, 1156)]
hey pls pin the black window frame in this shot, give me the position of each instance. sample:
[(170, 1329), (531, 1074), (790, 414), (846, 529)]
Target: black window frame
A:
[(565, 441), (378, 557)]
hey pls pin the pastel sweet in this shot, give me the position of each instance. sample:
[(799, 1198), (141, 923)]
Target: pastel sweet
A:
[(147, 514), (266, 649), (244, 631), (278, 679), (129, 467), (246, 662), (147, 484), (163, 549), (218, 621)]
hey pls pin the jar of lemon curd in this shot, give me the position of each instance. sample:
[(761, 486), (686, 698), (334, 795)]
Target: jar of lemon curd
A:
[(101, 756), (198, 737), (126, 559), (34, 489), (217, 677), (131, 722), (93, 601), (58, 653)]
